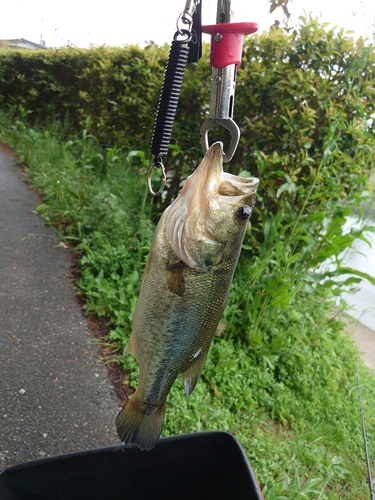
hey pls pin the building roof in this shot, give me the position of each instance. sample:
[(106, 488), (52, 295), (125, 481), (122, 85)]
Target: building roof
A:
[(21, 43)]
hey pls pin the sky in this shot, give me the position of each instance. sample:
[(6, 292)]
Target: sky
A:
[(83, 23)]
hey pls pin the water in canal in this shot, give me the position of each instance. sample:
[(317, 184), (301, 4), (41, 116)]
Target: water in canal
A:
[(362, 258)]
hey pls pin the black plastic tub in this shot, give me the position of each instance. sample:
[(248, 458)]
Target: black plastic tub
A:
[(208, 465)]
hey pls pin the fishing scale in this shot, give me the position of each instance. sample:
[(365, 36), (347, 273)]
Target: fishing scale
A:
[(225, 59)]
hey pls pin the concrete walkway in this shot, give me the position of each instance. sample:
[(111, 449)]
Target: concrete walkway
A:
[(55, 395), (361, 322)]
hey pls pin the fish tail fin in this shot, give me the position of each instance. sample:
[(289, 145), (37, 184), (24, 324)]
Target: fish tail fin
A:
[(140, 425)]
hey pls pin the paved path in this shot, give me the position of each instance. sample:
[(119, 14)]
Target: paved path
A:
[(365, 340), (55, 396)]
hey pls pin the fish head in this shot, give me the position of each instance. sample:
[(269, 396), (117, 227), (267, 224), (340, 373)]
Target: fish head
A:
[(207, 222)]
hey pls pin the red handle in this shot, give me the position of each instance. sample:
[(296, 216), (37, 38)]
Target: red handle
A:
[(227, 41)]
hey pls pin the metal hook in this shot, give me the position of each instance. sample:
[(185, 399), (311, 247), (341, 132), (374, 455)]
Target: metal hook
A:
[(186, 17), (157, 164), (227, 123)]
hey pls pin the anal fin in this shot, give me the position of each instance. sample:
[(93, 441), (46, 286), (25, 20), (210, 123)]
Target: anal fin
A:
[(191, 376)]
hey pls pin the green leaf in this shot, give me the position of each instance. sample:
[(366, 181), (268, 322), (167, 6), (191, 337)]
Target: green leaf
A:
[(355, 272)]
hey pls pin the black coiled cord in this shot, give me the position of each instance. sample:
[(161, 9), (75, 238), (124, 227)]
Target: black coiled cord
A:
[(169, 95)]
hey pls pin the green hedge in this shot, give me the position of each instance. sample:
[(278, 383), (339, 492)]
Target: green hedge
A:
[(303, 103), (116, 87)]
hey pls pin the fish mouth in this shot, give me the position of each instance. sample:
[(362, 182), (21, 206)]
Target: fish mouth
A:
[(201, 221), (210, 179)]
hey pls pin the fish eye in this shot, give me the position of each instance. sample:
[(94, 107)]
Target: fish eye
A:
[(243, 213)]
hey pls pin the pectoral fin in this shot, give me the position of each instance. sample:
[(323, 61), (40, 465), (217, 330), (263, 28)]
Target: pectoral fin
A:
[(191, 376), (175, 278)]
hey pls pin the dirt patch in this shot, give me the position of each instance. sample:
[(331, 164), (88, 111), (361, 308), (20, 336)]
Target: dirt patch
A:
[(4, 148), (117, 376)]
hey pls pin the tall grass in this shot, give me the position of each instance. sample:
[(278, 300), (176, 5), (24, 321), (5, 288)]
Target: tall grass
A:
[(281, 376)]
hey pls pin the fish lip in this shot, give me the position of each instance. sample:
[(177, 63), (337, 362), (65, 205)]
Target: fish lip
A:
[(216, 174), (216, 152), (213, 163), (246, 184), (210, 174)]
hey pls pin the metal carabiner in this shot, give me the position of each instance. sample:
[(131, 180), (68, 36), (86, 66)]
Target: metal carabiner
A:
[(186, 16)]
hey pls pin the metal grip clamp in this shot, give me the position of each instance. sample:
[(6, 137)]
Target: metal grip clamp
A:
[(225, 58)]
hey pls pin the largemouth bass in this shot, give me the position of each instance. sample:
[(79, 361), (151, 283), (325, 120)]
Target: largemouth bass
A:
[(184, 291)]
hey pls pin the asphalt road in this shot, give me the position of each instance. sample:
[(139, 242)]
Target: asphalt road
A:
[(55, 395)]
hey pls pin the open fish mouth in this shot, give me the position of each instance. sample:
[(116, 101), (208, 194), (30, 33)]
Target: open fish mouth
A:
[(243, 184), (204, 215), (210, 187)]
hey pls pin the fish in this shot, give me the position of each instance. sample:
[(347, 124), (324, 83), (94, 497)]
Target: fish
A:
[(184, 290)]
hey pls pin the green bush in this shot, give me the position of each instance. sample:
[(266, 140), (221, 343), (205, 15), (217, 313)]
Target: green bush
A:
[(303, 102), (116, 87)]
